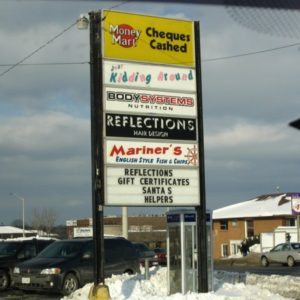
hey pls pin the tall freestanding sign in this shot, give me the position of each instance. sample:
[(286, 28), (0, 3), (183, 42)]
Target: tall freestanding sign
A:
[(147, 127)]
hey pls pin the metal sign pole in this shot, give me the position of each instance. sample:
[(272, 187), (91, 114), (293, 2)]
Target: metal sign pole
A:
[(298, 228), (96, 147), (201, 209)]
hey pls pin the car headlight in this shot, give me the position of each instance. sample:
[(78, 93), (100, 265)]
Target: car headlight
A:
[(51, 271), (16, 270)]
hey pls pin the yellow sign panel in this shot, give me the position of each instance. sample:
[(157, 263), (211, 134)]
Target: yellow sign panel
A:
[(146, 38)]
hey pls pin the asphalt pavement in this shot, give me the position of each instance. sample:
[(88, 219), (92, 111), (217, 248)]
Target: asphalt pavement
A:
[(268, 271), (12, 294)]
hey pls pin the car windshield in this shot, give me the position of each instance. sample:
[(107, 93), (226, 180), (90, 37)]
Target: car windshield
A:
[(8, 248), (61, 249)]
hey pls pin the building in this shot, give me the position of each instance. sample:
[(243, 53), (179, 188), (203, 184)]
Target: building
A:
[(7, 232), (148, 229), (247, 220), (231, 224)]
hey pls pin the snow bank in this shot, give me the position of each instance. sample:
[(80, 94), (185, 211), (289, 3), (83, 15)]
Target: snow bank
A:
[(227, 286), (289, 286)]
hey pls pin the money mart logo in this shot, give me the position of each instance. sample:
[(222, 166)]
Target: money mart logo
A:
[(124, 35)]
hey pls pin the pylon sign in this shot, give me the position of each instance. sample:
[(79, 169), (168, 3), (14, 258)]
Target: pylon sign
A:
[(150, 111), (146, 38)]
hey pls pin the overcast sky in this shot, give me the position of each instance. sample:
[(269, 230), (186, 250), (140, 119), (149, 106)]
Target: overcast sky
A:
[(45, 109)]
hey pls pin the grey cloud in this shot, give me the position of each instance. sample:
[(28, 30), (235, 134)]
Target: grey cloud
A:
[(45, 127)]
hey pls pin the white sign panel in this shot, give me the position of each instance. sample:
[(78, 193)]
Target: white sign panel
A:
[(148, 153), (83, 232), (71, 223), (151, 186), (149, 76), (150, 102)]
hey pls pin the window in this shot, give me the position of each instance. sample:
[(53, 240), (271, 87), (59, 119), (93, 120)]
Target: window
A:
[(249, 228), (234, 222), (296, 246), (62, 249), (88, 250), (224, 250), (290, 222), (278, 248), (224, 225), (286, 247), (28, 251), (146, 228), (235, 246), (9, 248), (134, 228)]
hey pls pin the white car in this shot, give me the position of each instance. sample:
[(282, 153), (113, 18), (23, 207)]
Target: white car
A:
[(285, 253)]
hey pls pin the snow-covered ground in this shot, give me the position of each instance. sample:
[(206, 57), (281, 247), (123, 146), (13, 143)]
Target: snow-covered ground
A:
[(227, 286)]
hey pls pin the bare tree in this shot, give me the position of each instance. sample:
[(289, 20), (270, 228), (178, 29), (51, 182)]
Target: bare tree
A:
[(37, 219), (44, 219), (49, 217)]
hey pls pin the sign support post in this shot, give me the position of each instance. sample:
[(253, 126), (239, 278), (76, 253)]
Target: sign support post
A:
[(298, 228), (96, 147), (201, 209)]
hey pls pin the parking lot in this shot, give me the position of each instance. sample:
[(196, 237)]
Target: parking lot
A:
[(18, 294)]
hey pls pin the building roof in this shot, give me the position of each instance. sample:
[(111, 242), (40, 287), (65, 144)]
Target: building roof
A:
[(12, 230), (263, 206)]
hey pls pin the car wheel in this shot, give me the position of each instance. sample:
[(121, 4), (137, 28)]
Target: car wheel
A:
[(290, 261), (4, 280), (264, 261), (70, 284)]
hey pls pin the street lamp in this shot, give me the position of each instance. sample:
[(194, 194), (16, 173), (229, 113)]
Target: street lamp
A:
[(23, 210), (83, 22)]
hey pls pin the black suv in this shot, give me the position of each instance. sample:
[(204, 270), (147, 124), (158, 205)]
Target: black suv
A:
[(16, 251), (66, 265)]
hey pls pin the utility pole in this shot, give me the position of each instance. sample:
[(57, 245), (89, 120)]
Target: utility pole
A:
[(23, 210)]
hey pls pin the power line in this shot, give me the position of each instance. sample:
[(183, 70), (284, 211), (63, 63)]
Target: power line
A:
[(119, 4), (50, 41), (250, 53), (203, 60), (48, 64), (20, 63), (38, 49)]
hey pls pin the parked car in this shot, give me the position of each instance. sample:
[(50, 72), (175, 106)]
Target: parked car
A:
[(14, 251), (145, 253), (66, 265), (285, 253), (161, 256)]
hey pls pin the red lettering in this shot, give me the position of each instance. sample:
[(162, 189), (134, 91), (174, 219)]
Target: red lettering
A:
[(117, 151), (177, 150), (140, 150)]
